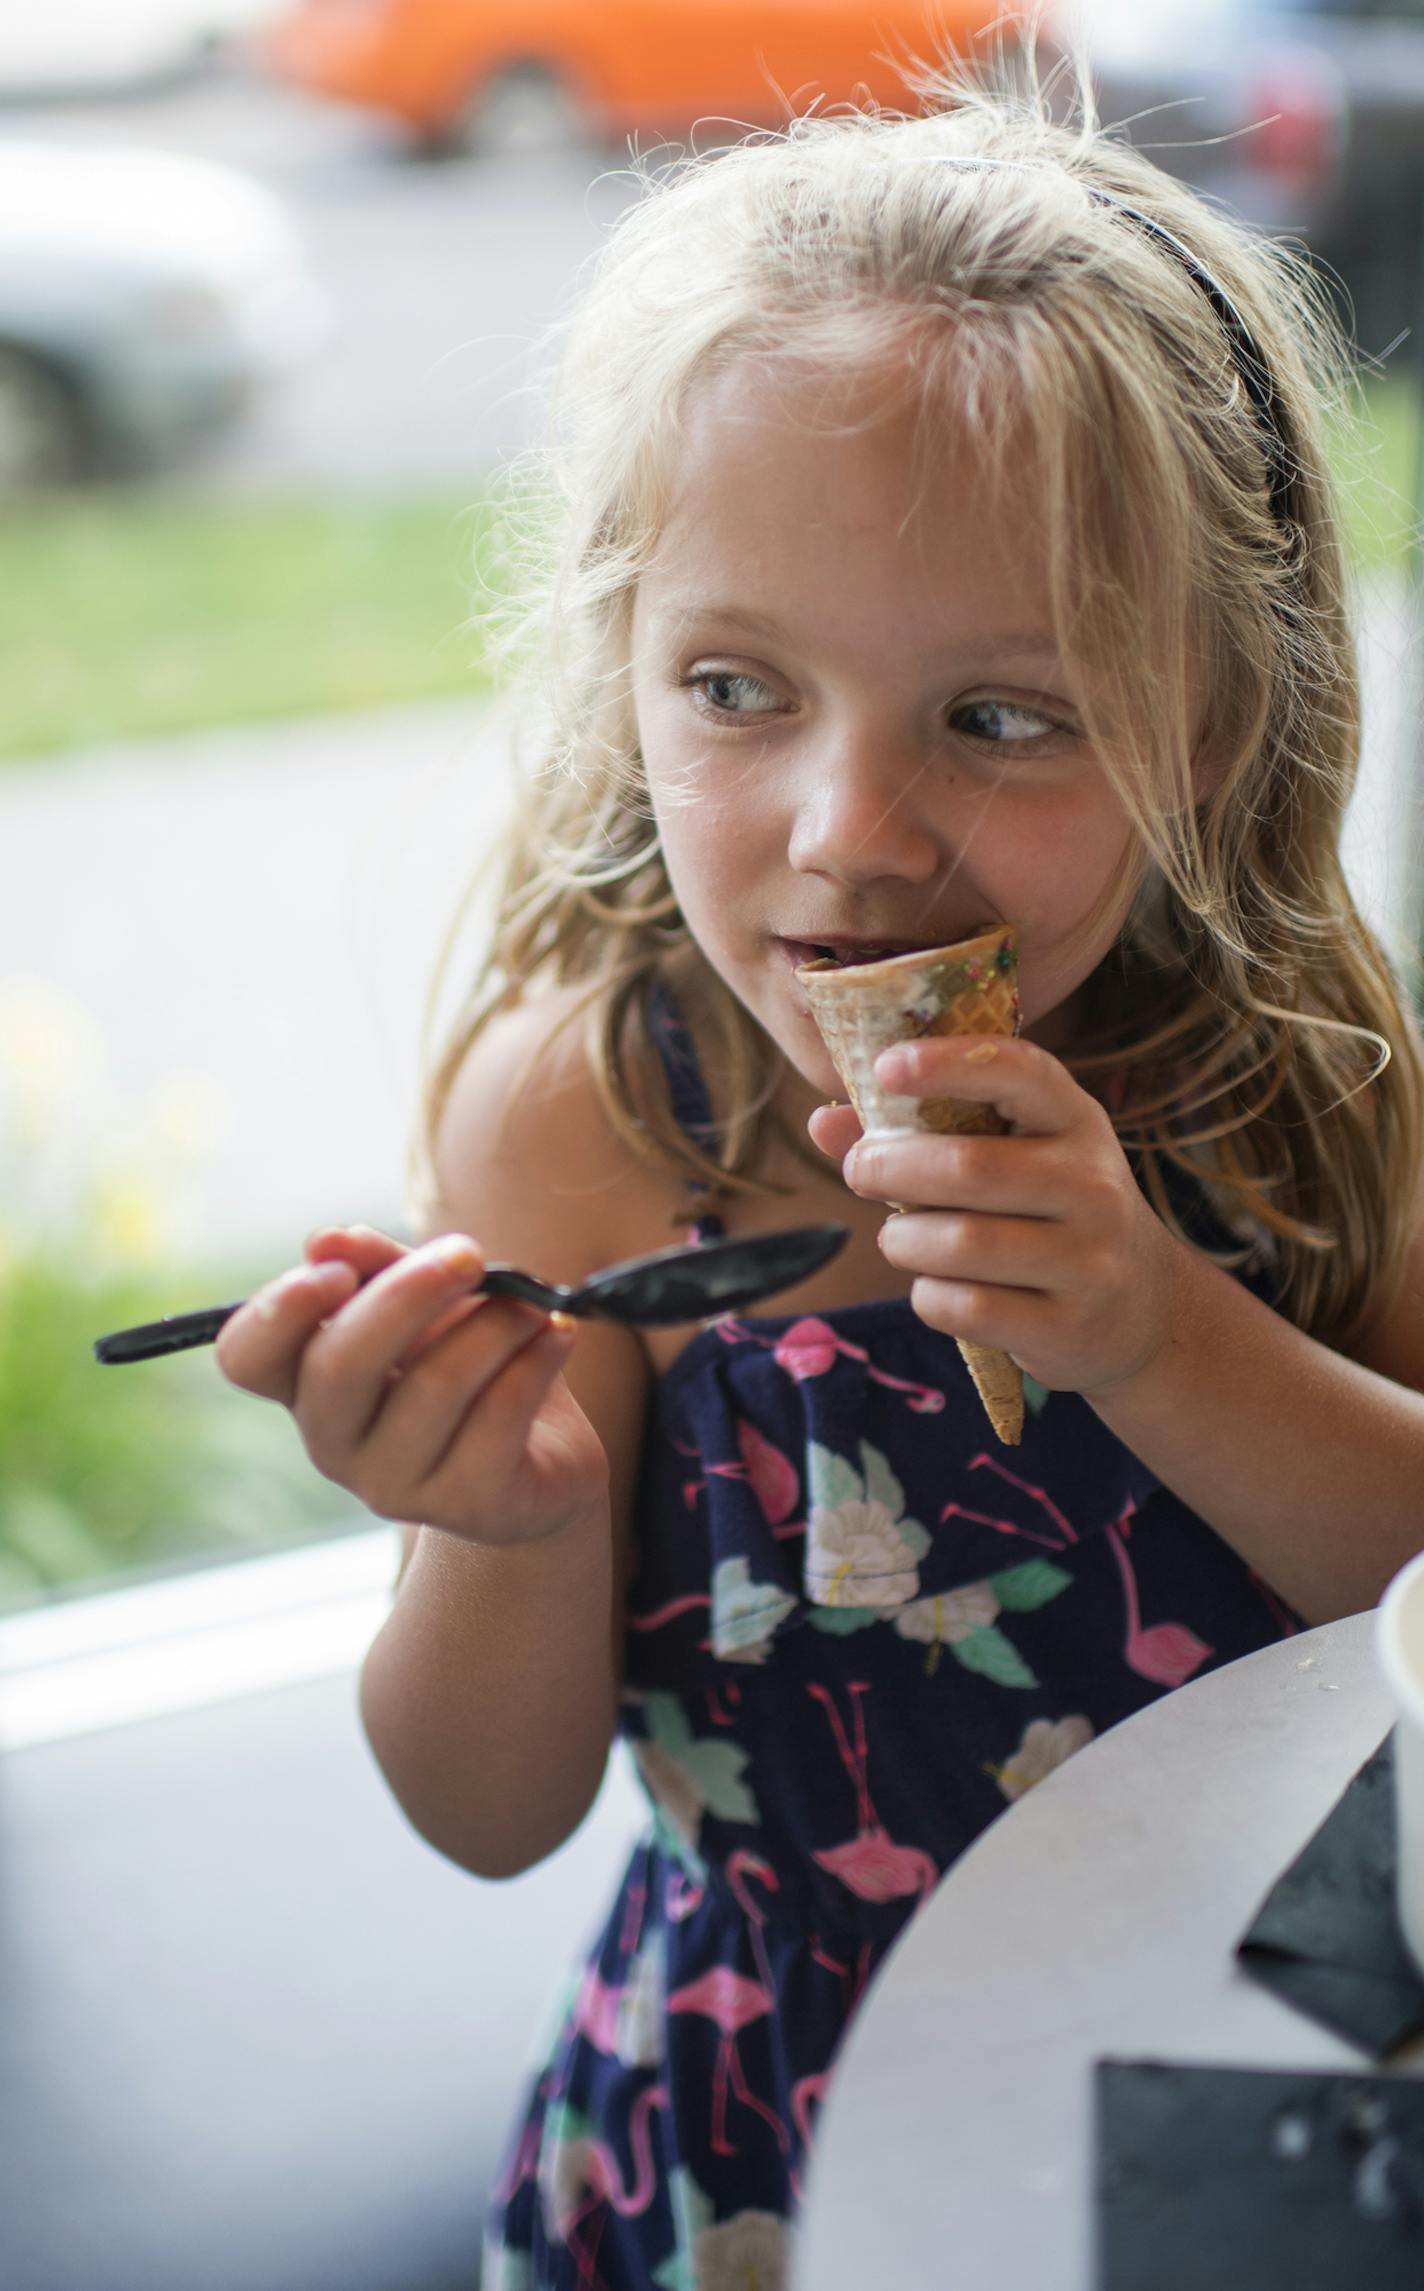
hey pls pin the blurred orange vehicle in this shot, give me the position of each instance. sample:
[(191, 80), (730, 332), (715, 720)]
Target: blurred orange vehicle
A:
[(470, 74)]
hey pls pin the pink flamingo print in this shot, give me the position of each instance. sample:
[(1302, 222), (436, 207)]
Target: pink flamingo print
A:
[(605, 2182), (810, 1347), (1167, 1653), (733, 2000), (871, 1864), (1069, 1533)]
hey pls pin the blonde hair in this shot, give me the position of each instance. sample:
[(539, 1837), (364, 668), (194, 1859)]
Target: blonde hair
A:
[(1271, 1049)]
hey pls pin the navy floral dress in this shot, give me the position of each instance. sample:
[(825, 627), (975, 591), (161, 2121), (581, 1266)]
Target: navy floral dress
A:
[(859, 1628)]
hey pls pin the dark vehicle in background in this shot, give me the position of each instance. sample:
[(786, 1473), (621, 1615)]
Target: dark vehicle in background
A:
[(1304, 116)]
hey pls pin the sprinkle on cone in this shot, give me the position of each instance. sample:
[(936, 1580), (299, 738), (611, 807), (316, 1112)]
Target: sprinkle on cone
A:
[(861, 1008)]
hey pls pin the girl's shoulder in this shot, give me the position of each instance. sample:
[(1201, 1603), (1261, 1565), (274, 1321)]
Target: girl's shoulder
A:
[(525, 1140), (526, 1159)]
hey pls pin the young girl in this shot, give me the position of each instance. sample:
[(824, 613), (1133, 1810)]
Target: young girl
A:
[(943, 536)]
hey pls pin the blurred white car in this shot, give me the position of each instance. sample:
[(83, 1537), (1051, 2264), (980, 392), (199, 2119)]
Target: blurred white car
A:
[(144, 299), (55, 47)]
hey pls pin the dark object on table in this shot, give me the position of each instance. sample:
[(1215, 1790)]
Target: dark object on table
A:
[(685, 1283), (1327, 1937), (1245, 2179)]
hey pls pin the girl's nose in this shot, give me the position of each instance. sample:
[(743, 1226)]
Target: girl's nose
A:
[(860, 814)]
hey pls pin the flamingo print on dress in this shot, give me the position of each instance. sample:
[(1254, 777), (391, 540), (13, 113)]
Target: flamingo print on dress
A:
[(579, 2175), (871, 1864), (811, 1347), (1166, 1653), (733, 2000)]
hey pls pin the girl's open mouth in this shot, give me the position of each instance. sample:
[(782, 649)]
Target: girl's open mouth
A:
[(799, 951)]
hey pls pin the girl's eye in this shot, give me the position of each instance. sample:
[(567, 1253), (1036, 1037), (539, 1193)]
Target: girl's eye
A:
[(1004, 723), (724, 692)]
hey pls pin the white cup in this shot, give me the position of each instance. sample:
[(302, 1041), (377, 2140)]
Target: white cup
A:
[(1399, 1642)]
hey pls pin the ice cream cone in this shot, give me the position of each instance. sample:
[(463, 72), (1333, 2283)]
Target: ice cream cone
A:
[(861, 1008)]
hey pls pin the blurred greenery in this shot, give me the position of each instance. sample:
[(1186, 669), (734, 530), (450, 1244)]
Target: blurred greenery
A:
[(1378, 464), (125, 615), (117, 1472), (106, 1472)]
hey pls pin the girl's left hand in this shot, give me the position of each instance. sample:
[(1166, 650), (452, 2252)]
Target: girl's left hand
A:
[(1037, 1242)]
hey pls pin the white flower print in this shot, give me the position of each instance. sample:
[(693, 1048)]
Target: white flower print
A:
[(857, 1557), (950, 1615), (745, 2253), (639, 2018), (1046, 1743)]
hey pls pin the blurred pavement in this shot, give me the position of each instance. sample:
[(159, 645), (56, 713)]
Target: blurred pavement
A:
[(263, 908), (254, 915)]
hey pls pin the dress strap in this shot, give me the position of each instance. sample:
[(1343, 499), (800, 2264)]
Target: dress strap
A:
[(691, 1105)]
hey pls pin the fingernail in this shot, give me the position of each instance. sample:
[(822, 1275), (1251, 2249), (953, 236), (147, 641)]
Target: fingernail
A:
[(457, 1252), (892, 1066), (563, 1322)]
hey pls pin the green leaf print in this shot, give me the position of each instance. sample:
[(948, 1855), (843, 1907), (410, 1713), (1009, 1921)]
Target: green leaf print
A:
[(831, 1480), (881, 1485), (993, 1656), (1032, 1585), (842, 1619), (715, 1767), (668, 1722), (692, 2211), (745, 1614)]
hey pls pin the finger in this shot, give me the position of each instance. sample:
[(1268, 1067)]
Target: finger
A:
[(1002, 1176), (359, 1245), (344, 1375), (370, 1252), (259, 1349), (1032, 1089), (834, 1129), (466, 1409), (1001, 1252)]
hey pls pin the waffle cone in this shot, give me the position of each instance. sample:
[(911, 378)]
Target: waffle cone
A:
[(861, 1008)]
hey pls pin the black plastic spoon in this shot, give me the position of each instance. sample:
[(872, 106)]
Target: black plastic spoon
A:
[(685, 1283)]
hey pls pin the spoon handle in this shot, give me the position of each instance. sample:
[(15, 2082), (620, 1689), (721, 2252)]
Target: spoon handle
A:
[(181, 1332)]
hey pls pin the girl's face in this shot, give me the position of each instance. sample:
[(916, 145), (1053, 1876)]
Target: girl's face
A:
[(854, 720)]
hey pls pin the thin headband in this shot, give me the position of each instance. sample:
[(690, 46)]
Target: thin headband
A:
[(1246, 354)]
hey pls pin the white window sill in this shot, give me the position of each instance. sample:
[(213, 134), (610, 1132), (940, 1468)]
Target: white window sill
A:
[(119, 1656)]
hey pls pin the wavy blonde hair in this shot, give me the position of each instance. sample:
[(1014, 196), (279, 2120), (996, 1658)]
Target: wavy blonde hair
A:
[(1271, 1049)]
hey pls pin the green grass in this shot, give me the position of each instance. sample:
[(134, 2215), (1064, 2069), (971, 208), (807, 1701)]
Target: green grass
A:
[(126, 617), (111, 1473), (1379, 472)]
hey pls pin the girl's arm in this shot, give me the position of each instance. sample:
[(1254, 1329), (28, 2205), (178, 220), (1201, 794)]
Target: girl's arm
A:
[(1308, 1464), (489, 1694)]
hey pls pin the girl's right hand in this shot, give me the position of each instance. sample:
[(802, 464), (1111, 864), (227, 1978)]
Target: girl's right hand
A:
[(429, 1404)]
